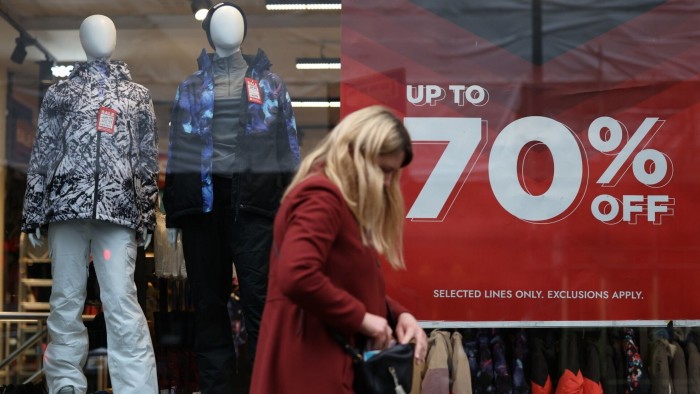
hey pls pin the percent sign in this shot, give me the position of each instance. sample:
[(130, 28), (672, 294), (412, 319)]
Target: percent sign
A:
[(649, 166)]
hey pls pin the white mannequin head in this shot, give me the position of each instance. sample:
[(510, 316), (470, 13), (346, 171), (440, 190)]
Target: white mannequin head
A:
[(227, 30), (98, 37)]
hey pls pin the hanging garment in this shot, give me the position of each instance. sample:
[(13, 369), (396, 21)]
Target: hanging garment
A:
[(570, 383), (659, 366), (484, 382), (616, 338), (461, 375), (541, 381), (169, 260), (419, 370), (607, 360), (503, 378), (693, 364), (437, 376), (679, 370), (520, 356), (637, 377), (571, 380), (592, 369), (471, 348)]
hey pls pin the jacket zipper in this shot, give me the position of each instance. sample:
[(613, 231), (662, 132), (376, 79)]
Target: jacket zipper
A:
[(97, 158), (97, 175), (243, 116)]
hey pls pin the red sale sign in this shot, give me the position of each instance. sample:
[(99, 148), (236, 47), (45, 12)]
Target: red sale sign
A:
[(555, 175)]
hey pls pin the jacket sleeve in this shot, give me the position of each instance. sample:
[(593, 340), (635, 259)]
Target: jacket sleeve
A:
[(288, 152), (300, 269), (45, 152), (174, 122), (147, 174)]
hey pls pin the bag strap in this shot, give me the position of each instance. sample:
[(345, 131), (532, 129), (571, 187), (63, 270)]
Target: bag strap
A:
[(390, 317), (354, 353)]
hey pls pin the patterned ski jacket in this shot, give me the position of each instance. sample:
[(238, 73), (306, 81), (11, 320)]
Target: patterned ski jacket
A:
[(78, 172), (267, 153)]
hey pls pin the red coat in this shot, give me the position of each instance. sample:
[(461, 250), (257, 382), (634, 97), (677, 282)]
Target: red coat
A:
[(320, 276)]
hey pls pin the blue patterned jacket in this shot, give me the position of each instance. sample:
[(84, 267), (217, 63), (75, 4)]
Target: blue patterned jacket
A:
[(267, 151)]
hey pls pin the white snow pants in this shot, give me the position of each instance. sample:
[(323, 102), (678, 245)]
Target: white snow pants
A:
[(132, 365)]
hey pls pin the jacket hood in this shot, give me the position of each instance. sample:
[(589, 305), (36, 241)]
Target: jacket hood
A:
[(258, 62), (113, 69)]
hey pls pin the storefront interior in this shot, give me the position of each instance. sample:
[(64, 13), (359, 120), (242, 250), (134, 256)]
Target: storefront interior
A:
[(160, 41)]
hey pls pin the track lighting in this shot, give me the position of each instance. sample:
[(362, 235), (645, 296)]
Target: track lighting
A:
[(20, 51)]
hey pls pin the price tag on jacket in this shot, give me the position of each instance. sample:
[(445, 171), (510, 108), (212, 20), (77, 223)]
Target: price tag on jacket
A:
[(106, 119), (253, 88)]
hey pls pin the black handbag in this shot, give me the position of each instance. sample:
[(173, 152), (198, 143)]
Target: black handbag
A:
[(389, 371)]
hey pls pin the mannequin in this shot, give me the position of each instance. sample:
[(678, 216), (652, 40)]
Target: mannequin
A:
[(98, 36), (233, 149), (92, 182), (227, 32)]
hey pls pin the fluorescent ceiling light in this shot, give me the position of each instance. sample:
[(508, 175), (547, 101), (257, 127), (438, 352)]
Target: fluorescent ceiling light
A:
[(318, 63), (303, 5), (316, 104)]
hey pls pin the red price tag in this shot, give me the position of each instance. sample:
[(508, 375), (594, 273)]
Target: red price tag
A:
[(253, 88), (106, 120)]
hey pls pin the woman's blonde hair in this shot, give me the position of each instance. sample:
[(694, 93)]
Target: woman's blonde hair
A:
[(348, 156)]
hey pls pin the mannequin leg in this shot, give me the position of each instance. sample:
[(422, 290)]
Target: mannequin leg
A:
[(68, 347), (252, 240), (132, 364), (209, 273)]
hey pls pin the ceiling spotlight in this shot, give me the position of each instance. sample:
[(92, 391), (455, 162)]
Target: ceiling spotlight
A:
[(20, 51), (200, 9), (302, 5), (318, 63)]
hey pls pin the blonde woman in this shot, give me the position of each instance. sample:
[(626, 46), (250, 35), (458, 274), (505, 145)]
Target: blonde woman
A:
[(341, 212)]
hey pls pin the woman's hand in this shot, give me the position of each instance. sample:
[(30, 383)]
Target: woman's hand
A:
[(407, 329), (377, 329)]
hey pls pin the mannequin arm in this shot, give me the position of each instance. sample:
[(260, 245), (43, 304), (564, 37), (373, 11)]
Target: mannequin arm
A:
[(288, 152), (147, 239), (35, 238), (147, 171)]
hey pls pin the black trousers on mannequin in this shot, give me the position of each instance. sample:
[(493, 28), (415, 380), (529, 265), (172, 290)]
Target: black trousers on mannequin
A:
[(211, 242)]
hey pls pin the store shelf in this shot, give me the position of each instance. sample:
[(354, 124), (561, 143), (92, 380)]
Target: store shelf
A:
[(35, 282), (34, 306)]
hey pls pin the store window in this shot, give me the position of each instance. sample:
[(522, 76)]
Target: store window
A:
[(159, 41), (551, 203)]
